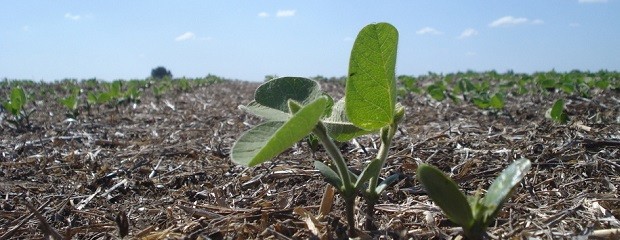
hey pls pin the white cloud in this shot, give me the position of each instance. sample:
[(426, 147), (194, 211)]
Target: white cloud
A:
[(263, 14), (507, 20), (592, 1), (285, 13), (72, 17), (185, 36), (428, 30), (468, 33)]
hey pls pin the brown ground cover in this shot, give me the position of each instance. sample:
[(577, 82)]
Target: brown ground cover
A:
[(161, 169)]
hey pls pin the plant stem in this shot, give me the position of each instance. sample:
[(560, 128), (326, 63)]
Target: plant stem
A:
[(348, 190), (386, 140), (371, 195)]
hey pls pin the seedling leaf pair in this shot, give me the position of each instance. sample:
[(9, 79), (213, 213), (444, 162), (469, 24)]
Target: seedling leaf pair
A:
[(16, 102), (475, 215), (271, 138)]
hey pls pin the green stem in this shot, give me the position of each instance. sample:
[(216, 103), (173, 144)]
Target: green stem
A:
[(334, 152), (348, 190), (386, 140), (371, 194)]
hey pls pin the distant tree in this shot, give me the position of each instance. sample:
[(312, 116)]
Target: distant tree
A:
[(160, 72)]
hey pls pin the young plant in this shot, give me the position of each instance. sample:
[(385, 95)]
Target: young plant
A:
[(15, 106), (557, 113), (71, 103), (472, 213), (297, 107)]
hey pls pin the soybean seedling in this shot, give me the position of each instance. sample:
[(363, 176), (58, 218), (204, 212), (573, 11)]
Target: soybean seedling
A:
[(472, 213), (557, 113), (71, 103), (15, 105), (297, 107)]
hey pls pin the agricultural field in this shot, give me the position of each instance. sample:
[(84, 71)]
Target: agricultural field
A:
[(151, 159)]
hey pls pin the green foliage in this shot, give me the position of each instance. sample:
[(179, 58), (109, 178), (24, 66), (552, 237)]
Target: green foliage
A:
[(71, 104), (557, 113), (296, 107), (184, 85), (16, 102), (483, 101), (16, 107), (271, 138), (473, 214), (437, 91), (371, 87)]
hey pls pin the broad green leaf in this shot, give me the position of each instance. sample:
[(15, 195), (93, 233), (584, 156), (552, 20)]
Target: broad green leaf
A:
[(276, 92), (557, 112), (446, 195), (436, 92), (371, 85), (385, 183), (70, 102), (371, 170), (269, 139), (502, 187), (265, 112), (482, 103), (330, 175), (339, 127), (18, 98), (104, 97), (497, 101), (91, 98)]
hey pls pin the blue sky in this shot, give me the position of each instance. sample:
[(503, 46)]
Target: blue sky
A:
[(51, 40)]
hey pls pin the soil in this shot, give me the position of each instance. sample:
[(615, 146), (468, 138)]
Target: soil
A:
[(162, 170)]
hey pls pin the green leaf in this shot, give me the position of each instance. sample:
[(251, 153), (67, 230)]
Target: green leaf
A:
[(338, 125), (16, 102), (436, 92), (330, 175), (276, 92), (497, 101), (265, 112), (501, 188), (371, 85), (104, 97), (269, 139), (371, 170), (18, 98), (91, 98), (386, 183), (557, 112), (70, 102), (446, 195), (481, 103)]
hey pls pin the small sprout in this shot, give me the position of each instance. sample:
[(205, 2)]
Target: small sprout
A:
[(557, 113), (16, 107), (71, 103), (436, 90), (474, 214)]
